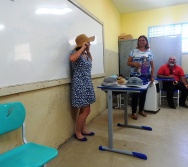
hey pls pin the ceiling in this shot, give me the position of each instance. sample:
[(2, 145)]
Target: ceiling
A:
[(131, 6)]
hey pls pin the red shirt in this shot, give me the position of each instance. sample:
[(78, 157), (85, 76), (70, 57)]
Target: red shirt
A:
[(177, 71)]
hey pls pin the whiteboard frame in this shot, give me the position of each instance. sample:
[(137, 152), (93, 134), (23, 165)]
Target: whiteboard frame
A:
[(8, 90)]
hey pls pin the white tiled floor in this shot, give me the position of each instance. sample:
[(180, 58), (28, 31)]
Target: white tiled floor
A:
[(165, 146)]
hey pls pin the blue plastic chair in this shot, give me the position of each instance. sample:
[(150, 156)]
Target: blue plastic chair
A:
[(12, 116)]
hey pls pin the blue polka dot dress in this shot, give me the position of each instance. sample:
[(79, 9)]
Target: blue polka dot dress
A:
[(82, 91)]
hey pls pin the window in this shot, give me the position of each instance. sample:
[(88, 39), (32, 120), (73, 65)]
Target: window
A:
[(174, 29), (184, 38)]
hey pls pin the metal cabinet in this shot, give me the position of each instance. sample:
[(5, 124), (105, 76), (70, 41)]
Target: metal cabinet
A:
[(125, 48)]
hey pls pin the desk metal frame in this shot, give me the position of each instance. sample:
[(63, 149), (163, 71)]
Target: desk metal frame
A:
[(124, 90)]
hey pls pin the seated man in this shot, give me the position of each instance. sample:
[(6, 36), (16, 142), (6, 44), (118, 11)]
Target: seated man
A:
[(173, 71)]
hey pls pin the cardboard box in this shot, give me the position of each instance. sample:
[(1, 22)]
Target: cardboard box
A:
[(125, 37)]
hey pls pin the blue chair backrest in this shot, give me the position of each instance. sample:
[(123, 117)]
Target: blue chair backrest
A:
[(12, 116)]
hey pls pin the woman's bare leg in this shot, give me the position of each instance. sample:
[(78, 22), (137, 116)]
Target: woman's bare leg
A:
[(81, 120)]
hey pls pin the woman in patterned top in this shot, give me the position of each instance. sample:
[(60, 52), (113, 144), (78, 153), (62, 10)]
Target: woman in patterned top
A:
[(82, 91), (142, 66)]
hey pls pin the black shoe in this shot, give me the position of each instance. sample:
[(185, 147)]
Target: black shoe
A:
[(172, 106), (89, 134), (184, 105), (82, 139)]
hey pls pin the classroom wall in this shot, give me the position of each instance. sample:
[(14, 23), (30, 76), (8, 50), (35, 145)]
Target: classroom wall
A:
[(50, 119), (138, 23)]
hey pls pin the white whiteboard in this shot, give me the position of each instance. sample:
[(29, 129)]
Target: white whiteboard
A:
[(36, 47)]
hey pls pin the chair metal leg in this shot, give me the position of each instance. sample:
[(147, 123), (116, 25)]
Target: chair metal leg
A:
[(178, 92), (160, 97), (120, 101), (175, 97)]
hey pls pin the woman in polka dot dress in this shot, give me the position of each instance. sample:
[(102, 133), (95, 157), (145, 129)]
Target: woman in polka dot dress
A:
[(82, 91)]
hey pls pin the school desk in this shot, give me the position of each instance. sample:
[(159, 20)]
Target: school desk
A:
[(125, 90)]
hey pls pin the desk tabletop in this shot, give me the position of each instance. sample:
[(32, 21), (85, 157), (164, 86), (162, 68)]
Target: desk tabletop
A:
[(124, 88), (169, 79), (165, 79)]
